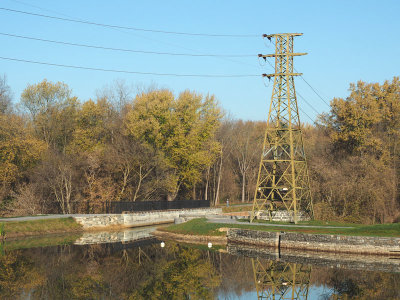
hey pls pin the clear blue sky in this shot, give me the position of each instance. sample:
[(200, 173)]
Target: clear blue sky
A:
[(346, 41)]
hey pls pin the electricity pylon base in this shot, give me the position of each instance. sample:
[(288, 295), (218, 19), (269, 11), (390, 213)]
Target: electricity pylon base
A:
[(281, 216)]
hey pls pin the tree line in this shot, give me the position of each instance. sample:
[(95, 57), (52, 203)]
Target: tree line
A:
[(60, 154)]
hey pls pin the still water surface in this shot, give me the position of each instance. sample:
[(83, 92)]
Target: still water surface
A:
[(142, 269)]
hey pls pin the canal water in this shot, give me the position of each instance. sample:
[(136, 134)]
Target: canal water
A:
[(134, 265)]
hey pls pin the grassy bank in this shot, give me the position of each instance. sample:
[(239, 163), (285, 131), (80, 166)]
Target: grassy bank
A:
[(39, 227), (202, 227)]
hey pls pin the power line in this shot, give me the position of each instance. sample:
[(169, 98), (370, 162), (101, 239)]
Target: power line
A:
[(122, 49), (306, 114), (270, 64), (128, 27), (131, 72), (315, 91), (144, 37), (38, 7), (304, 99)]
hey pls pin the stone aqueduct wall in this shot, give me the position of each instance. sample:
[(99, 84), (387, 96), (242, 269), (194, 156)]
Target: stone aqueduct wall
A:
[(316, 242), (141, 218)]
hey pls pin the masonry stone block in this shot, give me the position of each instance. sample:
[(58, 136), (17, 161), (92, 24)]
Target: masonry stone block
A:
[(141, 218), (316, 242)]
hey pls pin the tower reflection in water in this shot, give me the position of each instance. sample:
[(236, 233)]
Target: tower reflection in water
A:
[(281, 280)]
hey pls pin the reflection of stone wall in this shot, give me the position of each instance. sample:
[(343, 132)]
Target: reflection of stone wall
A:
[(140, 218), (127, 235), (317, 242), (331, 260)]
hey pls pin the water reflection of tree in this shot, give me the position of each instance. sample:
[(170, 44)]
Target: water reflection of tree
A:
[(92, 272), (17, 274), (174, 272), (352, 284), (236, 274), (188, 275)]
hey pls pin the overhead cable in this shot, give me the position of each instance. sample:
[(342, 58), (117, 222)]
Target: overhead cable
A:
[(122, 49), (144, 37), (306, 115), (304, 99), (130, 72), (130, 28), (314, 91)]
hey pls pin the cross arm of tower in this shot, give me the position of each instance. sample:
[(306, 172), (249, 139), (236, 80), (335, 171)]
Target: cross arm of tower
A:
[(282, 74), (281, 34), (280, 54)]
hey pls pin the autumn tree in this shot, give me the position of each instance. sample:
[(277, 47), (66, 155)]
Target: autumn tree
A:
[(20, 151), (363, 171), (53, 112), (118, 94), (132, 164), (368, 120), (182, 131), (5, 95), (215, 173), (93, 128), (247, 138), (93, 132)]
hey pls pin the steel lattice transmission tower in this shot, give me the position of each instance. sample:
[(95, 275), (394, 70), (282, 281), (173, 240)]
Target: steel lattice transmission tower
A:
[(283, 181)]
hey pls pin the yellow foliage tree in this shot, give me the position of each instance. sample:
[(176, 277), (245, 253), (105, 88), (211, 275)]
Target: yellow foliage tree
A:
[(53, 112), (182, 129), (359, 175), (368, 121), (19, 150), (92, 128)]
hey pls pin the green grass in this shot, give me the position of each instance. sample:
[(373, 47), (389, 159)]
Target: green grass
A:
[(202, 227), (36, 227)]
